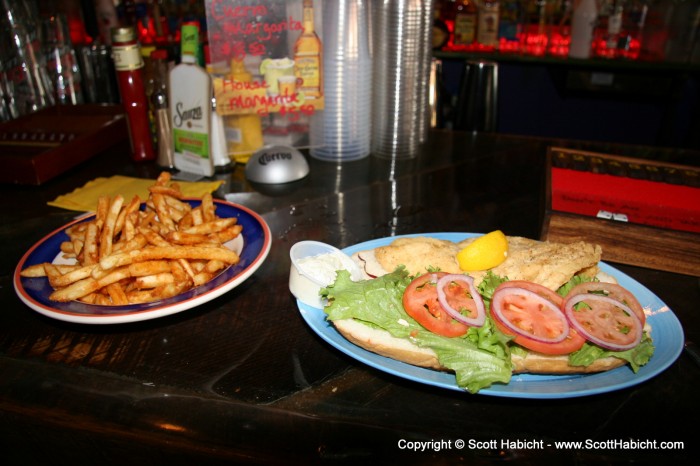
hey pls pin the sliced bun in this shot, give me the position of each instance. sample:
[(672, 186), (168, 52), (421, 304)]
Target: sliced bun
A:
[(537, 363), (383, 343)]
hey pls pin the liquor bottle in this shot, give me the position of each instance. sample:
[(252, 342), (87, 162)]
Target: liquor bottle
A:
[(633, 22), (465, 24), (536, 22), (582, 24), (128, 63), (447, 10), (509, 26), (656, 35), (615, 27), (308, 65), (560, 28), (487, 27), (243, 132), (441, 32), (609, 30), (190, 107)]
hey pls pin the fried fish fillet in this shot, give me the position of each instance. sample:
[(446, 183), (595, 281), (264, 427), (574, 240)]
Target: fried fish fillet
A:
[(547, 263)]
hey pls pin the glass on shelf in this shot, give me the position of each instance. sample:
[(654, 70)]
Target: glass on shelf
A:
[(27, 87), (61, 60)]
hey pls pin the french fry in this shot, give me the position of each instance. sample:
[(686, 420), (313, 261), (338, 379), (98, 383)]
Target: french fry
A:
[(153, 237), (169, 252), (127, 255), (68, 249), (132, 207), (38, 270), (90, 250), (142, 269), (153, 281), (211, 226), (107, 234), (214, 266), (89, 285), (117, 295), (165, 190), (227, 234), (187, 267), (72, 276), (180, 237), (208, 210), (202, 277), (163, 179), (101, 212), (162, 211)]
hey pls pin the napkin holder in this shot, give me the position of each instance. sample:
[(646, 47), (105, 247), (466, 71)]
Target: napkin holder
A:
[(40, 146), (649, 216)]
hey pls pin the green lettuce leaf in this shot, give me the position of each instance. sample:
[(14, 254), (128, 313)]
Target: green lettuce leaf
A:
[(479, 359), (636, 357)]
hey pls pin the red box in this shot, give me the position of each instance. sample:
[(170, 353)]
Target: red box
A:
[(44, 144), (644, 202)]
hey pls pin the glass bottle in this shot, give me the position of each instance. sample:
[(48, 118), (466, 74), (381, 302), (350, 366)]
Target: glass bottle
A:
[(128, 64), (633, 22), (560, 28), (582, 25), (536, 22), (447, 9), (243, 132), (510, 26), (190, 100), (487, 26), (656, 35), (609, 29), (27, 87), (465, 20), (61, 60), (308, 50), (441, 32)]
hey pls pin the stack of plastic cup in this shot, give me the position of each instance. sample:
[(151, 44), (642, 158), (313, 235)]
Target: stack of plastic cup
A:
[(401, 84), (342, 130)]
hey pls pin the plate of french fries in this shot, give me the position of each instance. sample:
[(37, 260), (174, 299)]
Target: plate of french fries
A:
[(143, 258)]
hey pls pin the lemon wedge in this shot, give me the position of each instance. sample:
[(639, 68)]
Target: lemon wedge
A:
[(485, 252)]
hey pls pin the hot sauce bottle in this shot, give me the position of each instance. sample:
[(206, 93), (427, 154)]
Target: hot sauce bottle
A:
[(128, 64)]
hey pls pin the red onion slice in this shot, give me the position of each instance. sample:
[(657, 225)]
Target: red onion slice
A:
[(480, 318), (498, 305), (600, 319)]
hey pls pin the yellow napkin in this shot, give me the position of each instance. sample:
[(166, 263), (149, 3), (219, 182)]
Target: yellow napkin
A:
[(85, 198)]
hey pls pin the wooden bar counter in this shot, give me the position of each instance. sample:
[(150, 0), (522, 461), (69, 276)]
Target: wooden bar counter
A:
[(243, 379)]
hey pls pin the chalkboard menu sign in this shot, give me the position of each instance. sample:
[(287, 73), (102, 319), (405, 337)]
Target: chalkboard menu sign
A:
[(266, 62)]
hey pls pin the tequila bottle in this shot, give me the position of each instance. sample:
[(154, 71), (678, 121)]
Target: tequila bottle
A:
[(308, 50)]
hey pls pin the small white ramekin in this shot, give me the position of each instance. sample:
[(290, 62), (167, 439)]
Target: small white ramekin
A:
[(304, 285)]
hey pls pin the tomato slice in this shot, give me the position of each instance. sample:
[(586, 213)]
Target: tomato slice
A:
[(604, 321), (420, 300), (531, 313), (460, 298), (611, 290), (536, 288)]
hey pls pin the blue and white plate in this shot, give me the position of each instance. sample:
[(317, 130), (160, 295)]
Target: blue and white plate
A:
[(666, 332), (253, 246)]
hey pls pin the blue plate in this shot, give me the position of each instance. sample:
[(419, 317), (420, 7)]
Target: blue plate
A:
[(666, 332), (253, 246)]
